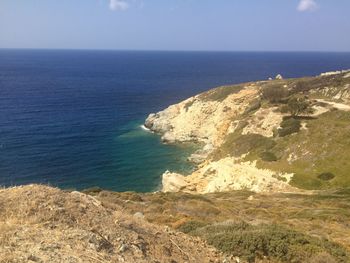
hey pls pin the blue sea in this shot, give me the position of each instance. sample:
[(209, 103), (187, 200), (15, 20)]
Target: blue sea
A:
[(73, 119)]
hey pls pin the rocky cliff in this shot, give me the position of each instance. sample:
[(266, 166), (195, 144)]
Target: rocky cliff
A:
[(251, 139)]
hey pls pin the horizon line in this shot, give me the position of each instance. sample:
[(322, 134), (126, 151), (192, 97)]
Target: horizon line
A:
[(179, 50)]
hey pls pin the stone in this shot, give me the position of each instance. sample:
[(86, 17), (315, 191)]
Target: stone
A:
[(173, 182), (279, 76), (139, 215)]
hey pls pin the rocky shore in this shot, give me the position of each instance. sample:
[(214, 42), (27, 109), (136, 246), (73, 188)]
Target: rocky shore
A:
[(211, 118)]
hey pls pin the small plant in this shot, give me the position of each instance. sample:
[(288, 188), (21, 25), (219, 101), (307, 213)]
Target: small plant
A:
[(190, 226), (251, 142), (268, 157), (326, 176), (269, 241), (220, 93), (297, 106), (275, 93), (254, 105), (289, 126)]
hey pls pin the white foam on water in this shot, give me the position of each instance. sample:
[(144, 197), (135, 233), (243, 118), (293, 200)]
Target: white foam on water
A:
[(143, 127)]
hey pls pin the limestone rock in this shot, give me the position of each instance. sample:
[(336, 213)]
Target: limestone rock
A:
[(173, 182), (200, 120), (279, 76)]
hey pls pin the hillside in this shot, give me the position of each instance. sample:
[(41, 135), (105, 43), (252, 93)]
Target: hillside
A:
[(266, 136), (265, 227), (44, 224)]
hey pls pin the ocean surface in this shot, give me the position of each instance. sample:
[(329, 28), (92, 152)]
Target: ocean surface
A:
[(73, 118)]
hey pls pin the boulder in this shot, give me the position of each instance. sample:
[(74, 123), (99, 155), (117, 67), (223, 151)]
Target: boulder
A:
[(173, 182)]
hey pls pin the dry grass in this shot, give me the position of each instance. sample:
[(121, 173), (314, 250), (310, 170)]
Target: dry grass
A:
[(322, 214), (43, 224)]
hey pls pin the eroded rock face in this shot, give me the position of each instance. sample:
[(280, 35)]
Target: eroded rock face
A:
[(226, 114), (226, 175), (198, 120), (209, 122), (263, 122)]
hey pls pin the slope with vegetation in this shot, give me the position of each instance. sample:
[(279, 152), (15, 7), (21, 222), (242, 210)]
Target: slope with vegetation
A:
[(283, 135), (44, 224), (273, 227)]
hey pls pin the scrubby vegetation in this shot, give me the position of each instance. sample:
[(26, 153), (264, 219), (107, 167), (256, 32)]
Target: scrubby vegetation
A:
[(307, 84), (297, 106), (272, 241), (319, 216), (326, 176), (275, 93), (255, 105), (237, 144), (289, 126), (268, 157), (315, 153), (220, 93), (191, 226)]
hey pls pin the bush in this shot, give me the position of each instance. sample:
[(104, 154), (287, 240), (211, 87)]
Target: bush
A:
[(326, 176), (271, 241), (254, 105), (220, 93), (323, 258), (190, 226), (268, 157), (289, 126), (299, 105), (251, 142), (275, 93)]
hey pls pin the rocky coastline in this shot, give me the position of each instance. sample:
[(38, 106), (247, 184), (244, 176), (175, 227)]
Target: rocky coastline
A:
[(210, 118)]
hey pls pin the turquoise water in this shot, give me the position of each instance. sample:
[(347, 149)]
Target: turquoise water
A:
[(72, 118), (148, 157)]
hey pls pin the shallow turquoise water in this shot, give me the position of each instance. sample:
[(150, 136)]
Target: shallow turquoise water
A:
[(144, 157)]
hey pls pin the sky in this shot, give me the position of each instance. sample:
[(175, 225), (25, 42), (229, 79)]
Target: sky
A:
[(220, 25)]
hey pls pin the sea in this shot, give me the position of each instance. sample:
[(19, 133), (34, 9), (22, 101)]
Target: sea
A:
[(73, 118)]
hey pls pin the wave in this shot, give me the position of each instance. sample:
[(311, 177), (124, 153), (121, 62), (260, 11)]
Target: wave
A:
[(143, 127)]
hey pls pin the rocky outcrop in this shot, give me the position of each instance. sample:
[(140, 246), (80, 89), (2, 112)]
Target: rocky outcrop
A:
[(212, 117), (226, 175), (199, 120), (332, 73)]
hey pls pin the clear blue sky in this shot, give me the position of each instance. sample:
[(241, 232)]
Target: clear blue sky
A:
[(262, 25)]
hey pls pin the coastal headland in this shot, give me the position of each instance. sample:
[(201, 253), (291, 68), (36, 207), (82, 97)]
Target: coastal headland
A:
[(252, 138), (271, 184)]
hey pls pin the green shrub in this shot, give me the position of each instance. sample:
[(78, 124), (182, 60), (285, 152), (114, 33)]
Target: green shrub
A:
[(253, 106), (323, 258), (298, 106), (326, 176), (190, 226), (275, 93), (220, 93), (271, 241), (289, 126), (92, 190), (251, 142), (268, 157)]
